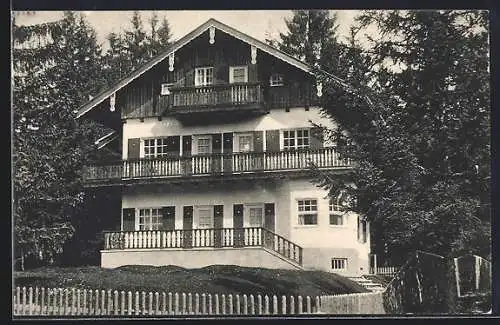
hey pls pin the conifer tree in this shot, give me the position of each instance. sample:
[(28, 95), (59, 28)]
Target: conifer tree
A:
[(56, 68)]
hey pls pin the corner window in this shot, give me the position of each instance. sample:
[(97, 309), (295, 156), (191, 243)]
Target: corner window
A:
[(149, 219), (276, 80), (238, 74), (204, 76), (308, 212), (155, 147), (296, 139), (339, 264)]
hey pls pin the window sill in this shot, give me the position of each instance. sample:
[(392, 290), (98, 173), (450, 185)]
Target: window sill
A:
[(338, 226)]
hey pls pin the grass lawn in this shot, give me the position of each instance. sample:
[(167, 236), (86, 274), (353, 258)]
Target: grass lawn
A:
[(220, 279)]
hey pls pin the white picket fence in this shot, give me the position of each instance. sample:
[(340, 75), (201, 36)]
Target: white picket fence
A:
[(82, 302)]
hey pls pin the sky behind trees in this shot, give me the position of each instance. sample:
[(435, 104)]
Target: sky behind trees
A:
[(256, 23)]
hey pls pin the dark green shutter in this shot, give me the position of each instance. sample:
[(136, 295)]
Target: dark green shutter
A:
[(239, 232), (272, 140), (168, 214), (187, 226), (189, 78), (316, 138), (129, 219), (258, 141), (222, 73), (269, 216), (252, 73), (173, 146), (227, 149), (218, 225), (134, 146)]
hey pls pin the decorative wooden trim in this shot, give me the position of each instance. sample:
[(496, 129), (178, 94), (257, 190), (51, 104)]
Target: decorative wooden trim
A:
[(319, 89), (112, 102), (171, 60), (212, 35), (253, 53)]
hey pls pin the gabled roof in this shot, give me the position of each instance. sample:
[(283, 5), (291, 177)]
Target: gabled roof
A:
[(180, 43)]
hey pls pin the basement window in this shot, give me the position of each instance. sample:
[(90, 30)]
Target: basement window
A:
[(339, 264)]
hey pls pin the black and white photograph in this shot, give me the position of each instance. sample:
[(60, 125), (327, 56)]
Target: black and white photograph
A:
[(306, 163)]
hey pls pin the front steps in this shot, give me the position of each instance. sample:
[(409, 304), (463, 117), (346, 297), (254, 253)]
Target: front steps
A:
[(367, 283)]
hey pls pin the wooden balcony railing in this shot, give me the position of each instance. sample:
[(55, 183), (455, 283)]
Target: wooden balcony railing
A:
[(216, 95), (195, 238), (216, 164)]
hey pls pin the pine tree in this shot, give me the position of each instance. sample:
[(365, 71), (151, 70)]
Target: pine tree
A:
[(310, 37), (51, 78), (422, 142)]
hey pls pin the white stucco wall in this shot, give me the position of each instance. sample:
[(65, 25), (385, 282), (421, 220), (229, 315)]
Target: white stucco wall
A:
[(276, 119)]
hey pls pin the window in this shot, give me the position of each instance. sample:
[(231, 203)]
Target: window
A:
[(339, 264), (149, 219), (336, 211), (245, 142), (276, 80), (204, 145), (308, 212), (165, 89), (205, 217), (295, 139), (255, 213), (155, 147), (238, 74), (204, 76)]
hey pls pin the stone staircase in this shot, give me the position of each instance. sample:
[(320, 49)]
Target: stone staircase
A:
[(368, 283)]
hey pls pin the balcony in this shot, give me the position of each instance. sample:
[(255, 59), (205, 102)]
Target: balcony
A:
[(203, 238), (227, 97), (190, 167)]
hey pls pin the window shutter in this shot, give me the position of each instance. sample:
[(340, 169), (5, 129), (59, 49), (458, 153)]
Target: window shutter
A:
[(189, 78), (239, 234), (129, 219), (273, 140), (222, 73), (134, 146), (168, 214), (173, 146), (252, 73), (218, 225), (187, 224), (316, 138), (258, 144), (269, 216)]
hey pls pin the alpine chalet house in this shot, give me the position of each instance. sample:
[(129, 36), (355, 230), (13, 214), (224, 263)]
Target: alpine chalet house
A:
[(216, 136)]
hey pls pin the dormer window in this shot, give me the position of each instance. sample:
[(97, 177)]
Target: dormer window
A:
[(204, 76), (238, 74), (276, 80)]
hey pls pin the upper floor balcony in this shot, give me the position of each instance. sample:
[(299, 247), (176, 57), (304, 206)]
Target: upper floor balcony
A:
[(225, 97), (216, 164)]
